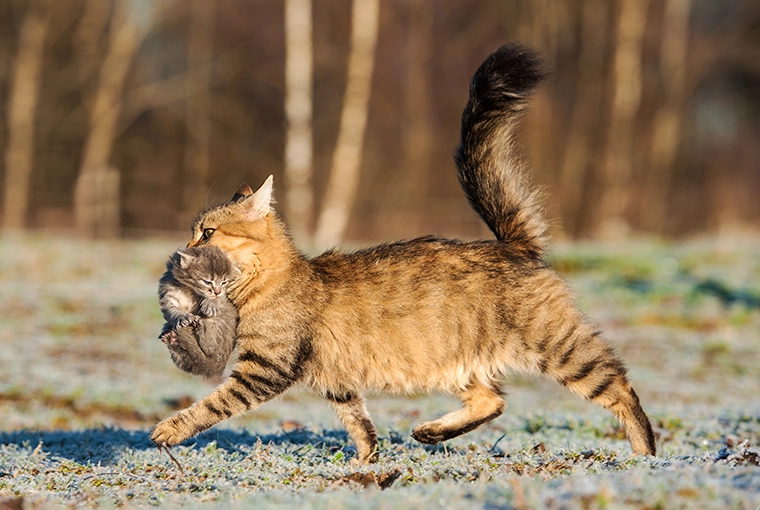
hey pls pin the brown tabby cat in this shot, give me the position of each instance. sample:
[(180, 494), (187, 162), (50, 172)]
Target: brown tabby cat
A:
[(420, 315)]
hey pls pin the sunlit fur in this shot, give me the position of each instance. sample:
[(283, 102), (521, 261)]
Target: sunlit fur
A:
[(413, 316)]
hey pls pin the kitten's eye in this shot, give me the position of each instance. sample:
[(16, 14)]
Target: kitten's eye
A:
[(206, 282), (207, 232), (224, 283)]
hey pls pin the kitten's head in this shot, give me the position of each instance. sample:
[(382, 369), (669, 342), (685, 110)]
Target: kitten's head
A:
[(206, 270), (246, 228)]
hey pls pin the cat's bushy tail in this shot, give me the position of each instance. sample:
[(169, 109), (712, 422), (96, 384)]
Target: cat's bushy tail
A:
[(490, 172)]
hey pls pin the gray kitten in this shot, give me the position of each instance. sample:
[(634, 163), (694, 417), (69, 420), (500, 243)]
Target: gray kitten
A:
[(201, 323)]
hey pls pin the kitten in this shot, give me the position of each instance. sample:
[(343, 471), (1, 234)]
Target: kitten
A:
[(200, 329), (420, 315)]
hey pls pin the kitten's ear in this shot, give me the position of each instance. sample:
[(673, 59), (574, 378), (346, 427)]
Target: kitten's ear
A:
[(259, 204), (185, 258), (243, 192)]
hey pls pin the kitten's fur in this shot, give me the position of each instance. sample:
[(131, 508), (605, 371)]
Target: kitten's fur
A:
[(200, 329), (426, 314)]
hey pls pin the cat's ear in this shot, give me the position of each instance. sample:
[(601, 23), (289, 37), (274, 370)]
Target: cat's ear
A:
[(259, 204), (185, 258), (243, 192)]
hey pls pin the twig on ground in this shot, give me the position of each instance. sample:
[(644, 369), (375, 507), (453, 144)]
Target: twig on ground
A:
[(164, 448), (493, 448)]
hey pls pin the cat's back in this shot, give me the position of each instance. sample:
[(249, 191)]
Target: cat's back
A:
[(428, 259), (429, 286)]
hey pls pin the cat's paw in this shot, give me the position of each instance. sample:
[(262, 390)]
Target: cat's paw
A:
[(186, 320), (169, 432), (169, 337), (208, 308)]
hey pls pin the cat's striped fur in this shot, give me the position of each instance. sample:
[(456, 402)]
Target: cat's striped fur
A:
[(419, 315)]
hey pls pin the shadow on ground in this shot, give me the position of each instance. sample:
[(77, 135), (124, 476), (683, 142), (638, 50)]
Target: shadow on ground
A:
[(103, 445)]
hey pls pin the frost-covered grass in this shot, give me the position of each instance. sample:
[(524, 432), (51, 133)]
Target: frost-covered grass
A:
[(83, 378)]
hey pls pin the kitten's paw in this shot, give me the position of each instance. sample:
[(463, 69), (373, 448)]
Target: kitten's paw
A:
[(169, 337), (169, 432), (186, 320), (208, 308)]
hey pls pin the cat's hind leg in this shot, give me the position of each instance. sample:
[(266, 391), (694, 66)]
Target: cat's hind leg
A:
[(482, 403), (608, 386), (587, 365), (353, 414)]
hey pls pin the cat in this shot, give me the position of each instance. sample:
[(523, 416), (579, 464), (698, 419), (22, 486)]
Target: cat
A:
[(201, 323), (419, 315)]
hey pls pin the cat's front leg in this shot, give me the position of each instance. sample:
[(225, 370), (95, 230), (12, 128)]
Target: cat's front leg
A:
[(187, 319), (227, 400), (209, 307), (201, 416), (255, 380)]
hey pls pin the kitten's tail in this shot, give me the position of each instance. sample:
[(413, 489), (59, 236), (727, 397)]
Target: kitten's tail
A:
[(489, 171)]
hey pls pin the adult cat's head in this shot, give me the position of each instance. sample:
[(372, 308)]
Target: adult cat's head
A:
[(248, 229)]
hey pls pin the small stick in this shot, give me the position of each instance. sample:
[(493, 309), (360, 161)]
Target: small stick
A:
[(493, 448), (165, 447)]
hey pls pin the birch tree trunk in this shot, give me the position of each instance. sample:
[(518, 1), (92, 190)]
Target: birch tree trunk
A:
[(344, 176), (418, 131), (200, 53), (617, 165), (96, 196), (22, 108), (585, 115), (87, 38), (666, 137), (299, 200), (542, 32)]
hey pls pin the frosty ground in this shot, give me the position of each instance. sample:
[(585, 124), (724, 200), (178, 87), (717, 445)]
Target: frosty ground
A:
[(84, 378)]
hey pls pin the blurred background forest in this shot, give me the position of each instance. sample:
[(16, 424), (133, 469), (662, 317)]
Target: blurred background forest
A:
[(125, 117)]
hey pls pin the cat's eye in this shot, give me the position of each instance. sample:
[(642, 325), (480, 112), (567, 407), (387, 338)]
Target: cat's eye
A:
[(207, 232)]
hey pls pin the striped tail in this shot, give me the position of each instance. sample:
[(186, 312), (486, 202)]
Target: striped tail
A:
[(489, 171)]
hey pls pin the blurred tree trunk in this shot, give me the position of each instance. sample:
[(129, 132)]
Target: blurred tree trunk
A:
[(344, 174), (299, 200), (87, 38), (666, 136), (22, 108), (96, 196), (580, 144), (200, 53), (626, 77), (541, 31), (418, 130)]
